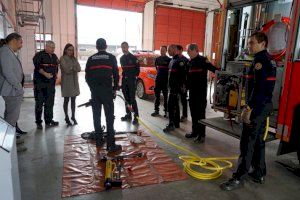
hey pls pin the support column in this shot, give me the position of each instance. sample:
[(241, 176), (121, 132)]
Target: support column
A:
[(208, 34), (148, 26), (28, 51), (63, 24)]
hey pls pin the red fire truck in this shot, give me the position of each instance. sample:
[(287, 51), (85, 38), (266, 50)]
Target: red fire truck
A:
[(279, 19)]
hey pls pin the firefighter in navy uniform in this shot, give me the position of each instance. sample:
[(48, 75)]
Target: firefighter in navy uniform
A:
[(45, 73), (254, 115), (131, 70), (161, 81), (197, 86), (176, 82), (183, 92), (100, 69)]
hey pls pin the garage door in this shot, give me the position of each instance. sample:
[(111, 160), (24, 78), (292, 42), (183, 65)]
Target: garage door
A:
[(179, 26), (128, 5)]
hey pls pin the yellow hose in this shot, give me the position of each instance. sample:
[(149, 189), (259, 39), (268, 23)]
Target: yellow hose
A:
[(211, 168), (267, 128)]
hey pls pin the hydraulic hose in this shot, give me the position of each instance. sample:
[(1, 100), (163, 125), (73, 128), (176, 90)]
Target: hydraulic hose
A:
[(267, 128), (211, 168)]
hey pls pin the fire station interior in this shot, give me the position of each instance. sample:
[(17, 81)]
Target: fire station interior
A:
[(62, 163)]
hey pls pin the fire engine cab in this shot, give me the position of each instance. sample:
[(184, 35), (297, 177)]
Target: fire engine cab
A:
[(279, 19)]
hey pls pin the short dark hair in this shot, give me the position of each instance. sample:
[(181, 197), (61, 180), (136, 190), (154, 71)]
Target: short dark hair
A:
[(66, 47), (260, 37), (101, 44), (193, 47), (9, 38), (126, 43), (164, 46), (2, 42), (173, 46), (179, 47)]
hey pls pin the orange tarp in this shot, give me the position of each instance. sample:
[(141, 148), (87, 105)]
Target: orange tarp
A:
[(83, 173)]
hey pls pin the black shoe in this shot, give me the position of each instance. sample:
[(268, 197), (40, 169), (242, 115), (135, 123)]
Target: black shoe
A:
[(183, 119), (74, 120), (126, 118), (231, 184), (68, 122), (155, 113), (52, 123), (199, 139), (100, 142), (39, 126), (169, 127), (190, 135), (18, 130), (114, 149), (257, 179), (135, 121), (89, 135)]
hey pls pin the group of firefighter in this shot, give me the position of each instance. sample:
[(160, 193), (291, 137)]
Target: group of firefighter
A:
[(175, 76)]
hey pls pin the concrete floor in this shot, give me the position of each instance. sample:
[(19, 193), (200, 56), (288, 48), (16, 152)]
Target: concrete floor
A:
[(41, 165)]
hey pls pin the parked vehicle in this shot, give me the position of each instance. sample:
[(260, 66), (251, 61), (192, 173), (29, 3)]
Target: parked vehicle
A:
[(146, 80)]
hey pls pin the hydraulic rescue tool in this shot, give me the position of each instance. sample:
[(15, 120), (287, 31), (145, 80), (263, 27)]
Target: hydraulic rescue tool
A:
[(113, 167)]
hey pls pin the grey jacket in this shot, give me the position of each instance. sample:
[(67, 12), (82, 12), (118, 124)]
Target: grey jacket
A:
[(11, 73), (69, 76)]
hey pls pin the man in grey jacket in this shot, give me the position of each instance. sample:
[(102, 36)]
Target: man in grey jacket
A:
[(11, 78)]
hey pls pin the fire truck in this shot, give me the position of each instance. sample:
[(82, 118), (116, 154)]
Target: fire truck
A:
[(279, 19)]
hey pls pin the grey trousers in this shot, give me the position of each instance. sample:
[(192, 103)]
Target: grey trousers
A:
[(12, 108)]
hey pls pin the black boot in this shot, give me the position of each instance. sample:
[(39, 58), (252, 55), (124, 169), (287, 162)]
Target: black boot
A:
[(232, 184), (169, 127), (74, 120), (155, 113), (166, 115), (68, 121), (114, 148), (99, 139), (256, 178), (183, 119), (190, 135), (135, 121), (127, 117), (18, 130), (199, 139), (52, 123), (39, 126)]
